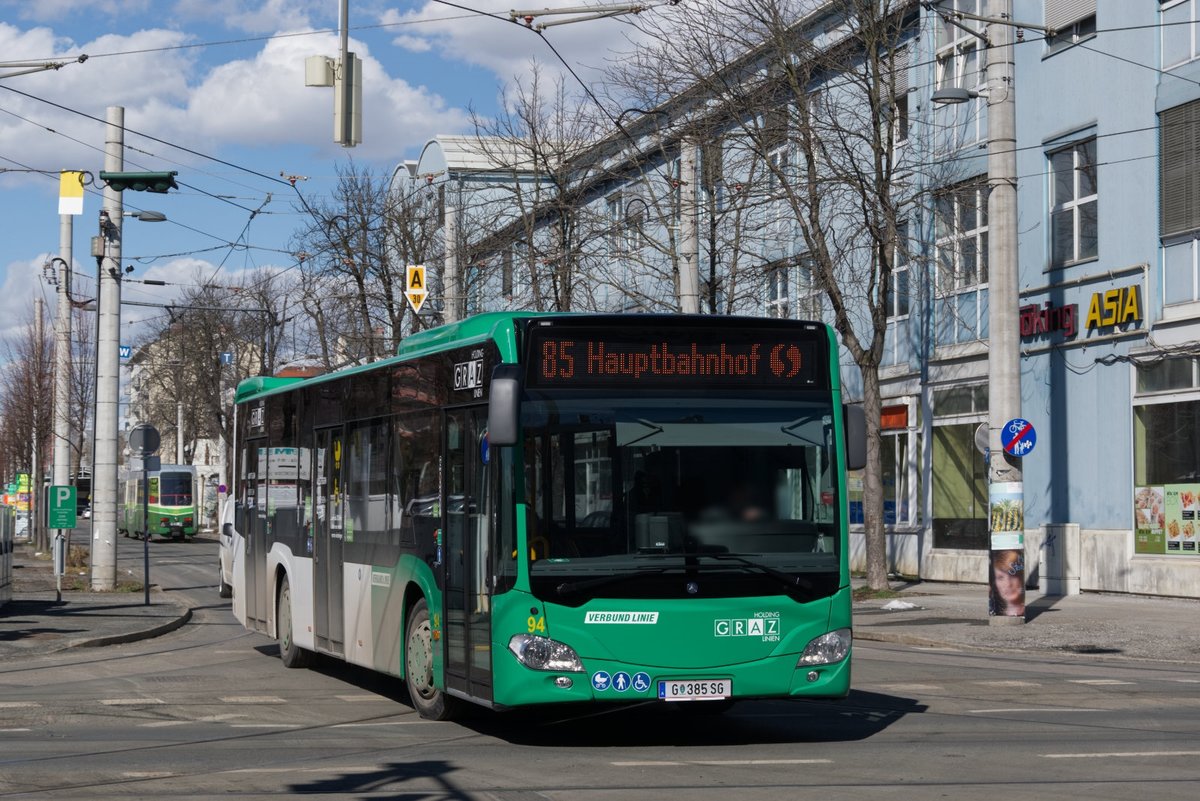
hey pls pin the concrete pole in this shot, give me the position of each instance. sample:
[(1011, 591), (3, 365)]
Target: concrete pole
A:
[(108, 366), (36, 529), (62, 356), (1004, 365), (179, 432), (689, 238), (450, 270)]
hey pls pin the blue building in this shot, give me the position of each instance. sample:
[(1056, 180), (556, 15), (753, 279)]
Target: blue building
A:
[(1108, 237)]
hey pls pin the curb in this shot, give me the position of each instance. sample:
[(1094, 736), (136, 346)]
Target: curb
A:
[(133, 636)]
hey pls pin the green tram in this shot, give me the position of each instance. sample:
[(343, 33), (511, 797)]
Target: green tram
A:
[(169, 512), (528, 509)]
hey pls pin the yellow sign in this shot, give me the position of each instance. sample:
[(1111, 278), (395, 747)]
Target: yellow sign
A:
[(1115, 307), (415, 289), (70, 192)]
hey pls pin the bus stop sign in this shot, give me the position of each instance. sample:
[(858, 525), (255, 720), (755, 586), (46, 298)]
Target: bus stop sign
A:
[(1018, 437)]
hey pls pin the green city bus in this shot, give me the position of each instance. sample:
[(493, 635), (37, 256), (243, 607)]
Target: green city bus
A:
[(525, 509), (169, 512)]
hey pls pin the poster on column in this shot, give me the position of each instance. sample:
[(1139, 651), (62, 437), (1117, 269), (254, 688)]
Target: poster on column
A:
[(1006, 521)]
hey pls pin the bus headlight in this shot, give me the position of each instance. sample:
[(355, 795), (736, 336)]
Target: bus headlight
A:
[(826, 649), (543, 653)]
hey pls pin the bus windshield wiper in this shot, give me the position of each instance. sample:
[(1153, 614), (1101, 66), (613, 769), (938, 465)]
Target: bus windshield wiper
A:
[(569, 587), (786, 579)]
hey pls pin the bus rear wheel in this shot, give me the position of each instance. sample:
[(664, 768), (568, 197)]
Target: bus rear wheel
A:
[(293, 656), (430, 702)]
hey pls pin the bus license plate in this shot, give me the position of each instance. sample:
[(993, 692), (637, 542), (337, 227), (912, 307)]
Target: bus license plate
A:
[(695, 689)]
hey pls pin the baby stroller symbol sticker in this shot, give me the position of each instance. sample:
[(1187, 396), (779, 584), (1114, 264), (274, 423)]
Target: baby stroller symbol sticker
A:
[(600, 680)]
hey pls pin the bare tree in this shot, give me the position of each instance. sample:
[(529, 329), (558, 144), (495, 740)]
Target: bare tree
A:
[(355, 252), (810, 113), (27, 401)]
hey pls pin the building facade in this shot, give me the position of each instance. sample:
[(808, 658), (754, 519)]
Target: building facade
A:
[(1108, 260)]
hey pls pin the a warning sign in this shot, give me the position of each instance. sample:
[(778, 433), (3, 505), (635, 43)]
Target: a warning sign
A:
[(414, 287)]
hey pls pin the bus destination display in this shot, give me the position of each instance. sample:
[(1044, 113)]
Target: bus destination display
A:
[(691, 359)]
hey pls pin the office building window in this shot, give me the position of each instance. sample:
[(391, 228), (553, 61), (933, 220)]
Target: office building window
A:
[(898, 295), (961, 230), (1180, 39), (777, 291), (961, 64), (1071, 20), (1073, 206)]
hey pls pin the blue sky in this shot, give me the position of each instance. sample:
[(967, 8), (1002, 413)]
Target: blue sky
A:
[(215, 89)]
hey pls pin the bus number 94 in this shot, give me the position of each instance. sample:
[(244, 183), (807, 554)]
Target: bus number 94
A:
[(557, 359)]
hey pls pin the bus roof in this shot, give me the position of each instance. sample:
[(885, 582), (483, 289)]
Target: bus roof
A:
[(497, 326)]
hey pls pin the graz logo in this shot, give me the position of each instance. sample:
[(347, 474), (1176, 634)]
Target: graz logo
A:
[(468, 375), (256, 417)]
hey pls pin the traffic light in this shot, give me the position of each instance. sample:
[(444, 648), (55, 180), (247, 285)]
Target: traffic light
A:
[(140, 181)]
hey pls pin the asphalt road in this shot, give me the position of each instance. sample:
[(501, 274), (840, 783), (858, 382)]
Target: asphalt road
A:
[(209, 711)]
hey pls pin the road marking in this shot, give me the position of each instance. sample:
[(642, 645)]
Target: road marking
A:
[(1098, 682), (264, 725), (1122, 755), (131, 701), (252, 699), (1187, 681), (159, 724), (913, 688), (1007, 710), (722, 763), (18, 704), (1009, 683), (367, 725), (147, 774), (357, 699), (13, 731)]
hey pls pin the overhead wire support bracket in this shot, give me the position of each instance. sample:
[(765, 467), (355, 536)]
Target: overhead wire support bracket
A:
[(583, 14)]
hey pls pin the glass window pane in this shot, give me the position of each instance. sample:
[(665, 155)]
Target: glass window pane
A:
[(1176, 35), (1088, 233), (967, 212), (901, 292), (967, 274), (1062, 165), (1062, 237), (1177, 278), (1166, 375), (1087, 168), (1167, 443), (960, 491), (983, 258)]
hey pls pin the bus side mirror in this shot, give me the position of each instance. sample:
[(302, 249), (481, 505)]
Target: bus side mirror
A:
[(856, 436), (504, 407)]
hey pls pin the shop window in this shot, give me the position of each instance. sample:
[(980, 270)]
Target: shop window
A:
[(1166, 453), (960, 499)]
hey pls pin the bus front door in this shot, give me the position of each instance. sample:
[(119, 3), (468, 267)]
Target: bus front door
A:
[(328, 538), (467, 517)]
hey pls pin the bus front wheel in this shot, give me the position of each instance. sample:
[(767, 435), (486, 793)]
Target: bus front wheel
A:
[(430, 702), (293, 656)]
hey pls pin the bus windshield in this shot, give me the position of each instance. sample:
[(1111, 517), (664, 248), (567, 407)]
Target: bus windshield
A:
[(175, 489), (625, 495)]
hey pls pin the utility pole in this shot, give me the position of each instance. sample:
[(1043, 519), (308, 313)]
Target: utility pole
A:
[(689, 245), (179, 432), (107, 250), (62, 356), (1004, 357), (36, 529), (450, 272)]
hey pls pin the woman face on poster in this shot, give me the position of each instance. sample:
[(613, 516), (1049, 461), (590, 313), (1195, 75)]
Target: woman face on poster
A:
[(1008, 577)]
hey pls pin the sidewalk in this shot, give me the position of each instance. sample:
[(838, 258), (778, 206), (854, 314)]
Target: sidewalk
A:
[(1105, 626), (35, 623), (930, 614)]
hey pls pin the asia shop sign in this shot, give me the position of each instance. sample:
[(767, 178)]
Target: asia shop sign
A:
[(1107, 309), (1167, 519)]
